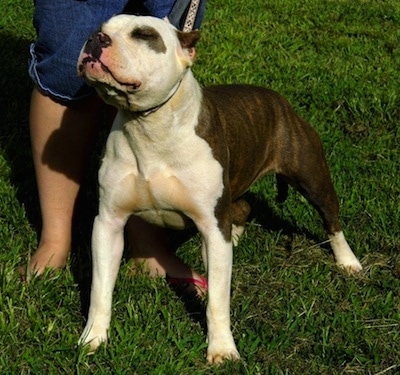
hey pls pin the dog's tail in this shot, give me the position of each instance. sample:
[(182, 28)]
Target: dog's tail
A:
[(283, 188)]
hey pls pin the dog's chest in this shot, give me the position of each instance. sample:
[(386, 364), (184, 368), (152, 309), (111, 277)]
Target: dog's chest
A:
[(166, 184)]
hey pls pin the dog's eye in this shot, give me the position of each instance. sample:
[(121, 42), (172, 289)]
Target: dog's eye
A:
[(144, 33), (149, 36)]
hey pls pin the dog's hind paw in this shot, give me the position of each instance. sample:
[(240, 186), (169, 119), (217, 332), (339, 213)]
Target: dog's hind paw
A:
[(344, 256), (237, 232)]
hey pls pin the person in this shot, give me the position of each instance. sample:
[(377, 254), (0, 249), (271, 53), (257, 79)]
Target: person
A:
[(65, 116)]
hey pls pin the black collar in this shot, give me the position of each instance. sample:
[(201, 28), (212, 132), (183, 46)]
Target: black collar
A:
[(157, 107)]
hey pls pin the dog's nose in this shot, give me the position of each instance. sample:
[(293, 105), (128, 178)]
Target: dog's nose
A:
[(95, 44)]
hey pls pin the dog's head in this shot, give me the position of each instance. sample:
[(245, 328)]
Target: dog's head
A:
[(136, 63)]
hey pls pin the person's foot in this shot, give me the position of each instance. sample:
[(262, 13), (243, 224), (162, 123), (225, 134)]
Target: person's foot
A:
[(46, 256)]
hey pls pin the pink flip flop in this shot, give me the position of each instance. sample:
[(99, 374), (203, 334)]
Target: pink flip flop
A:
[(202, 283), (185, 282)]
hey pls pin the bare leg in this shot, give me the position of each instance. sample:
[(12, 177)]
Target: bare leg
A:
[(62, 138)]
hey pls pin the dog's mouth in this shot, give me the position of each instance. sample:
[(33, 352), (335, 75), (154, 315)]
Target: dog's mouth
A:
[(90, 68)]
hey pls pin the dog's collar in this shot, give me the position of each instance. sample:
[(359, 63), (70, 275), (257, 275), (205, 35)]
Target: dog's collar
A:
[(157, 107)]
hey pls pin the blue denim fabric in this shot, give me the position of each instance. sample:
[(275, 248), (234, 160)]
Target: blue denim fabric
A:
[(62, 28)]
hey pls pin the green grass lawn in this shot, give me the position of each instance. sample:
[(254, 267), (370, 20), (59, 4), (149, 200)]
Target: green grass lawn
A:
[(293, 311)]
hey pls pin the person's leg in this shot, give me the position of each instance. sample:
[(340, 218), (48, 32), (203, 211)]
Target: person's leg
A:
[(62, 138), (61, 134), (148, 250)]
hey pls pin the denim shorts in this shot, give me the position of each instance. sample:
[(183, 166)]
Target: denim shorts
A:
[(62, 28)]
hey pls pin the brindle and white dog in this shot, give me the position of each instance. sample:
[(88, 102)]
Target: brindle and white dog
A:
[(178, 154)]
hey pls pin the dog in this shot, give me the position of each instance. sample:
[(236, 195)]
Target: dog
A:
[(178, 154)]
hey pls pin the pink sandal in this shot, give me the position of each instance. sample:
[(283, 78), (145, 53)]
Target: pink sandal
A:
[(200, 285)]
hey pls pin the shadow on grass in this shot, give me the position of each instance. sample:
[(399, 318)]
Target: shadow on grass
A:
[(15, 90), (263, 213)]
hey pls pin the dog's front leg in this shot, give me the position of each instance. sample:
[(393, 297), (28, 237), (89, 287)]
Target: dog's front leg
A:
[(221, 345), (107, 249)]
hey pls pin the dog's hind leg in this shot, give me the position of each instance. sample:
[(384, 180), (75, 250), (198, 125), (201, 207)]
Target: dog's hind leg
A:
[(323, 198), (283, 188), (312, 179)]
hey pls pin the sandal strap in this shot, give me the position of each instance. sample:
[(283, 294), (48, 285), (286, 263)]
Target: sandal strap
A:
[(202, 282)]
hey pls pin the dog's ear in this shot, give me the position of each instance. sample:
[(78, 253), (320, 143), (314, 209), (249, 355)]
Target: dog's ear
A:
[(188, 41)]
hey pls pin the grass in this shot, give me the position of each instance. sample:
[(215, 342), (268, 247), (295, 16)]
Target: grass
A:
[(293, 311)]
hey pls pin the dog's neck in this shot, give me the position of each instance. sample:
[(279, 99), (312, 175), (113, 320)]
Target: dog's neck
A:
[(177, 104), (166, 133), (147, 112), (174, 118)]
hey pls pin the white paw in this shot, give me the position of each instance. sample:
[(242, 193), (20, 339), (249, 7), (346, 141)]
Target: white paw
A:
[(221, 348), (92, 338), (344, 256), (237, 232), (219, 356), (350, 266)]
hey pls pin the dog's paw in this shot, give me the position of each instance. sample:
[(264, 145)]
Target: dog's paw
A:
[(237, 232), (344, 256), (219, 356), (352, 266), (91, 339), (222, 348)]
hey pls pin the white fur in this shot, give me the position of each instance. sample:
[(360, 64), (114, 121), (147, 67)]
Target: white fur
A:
[(344, 256), (237, 231)]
